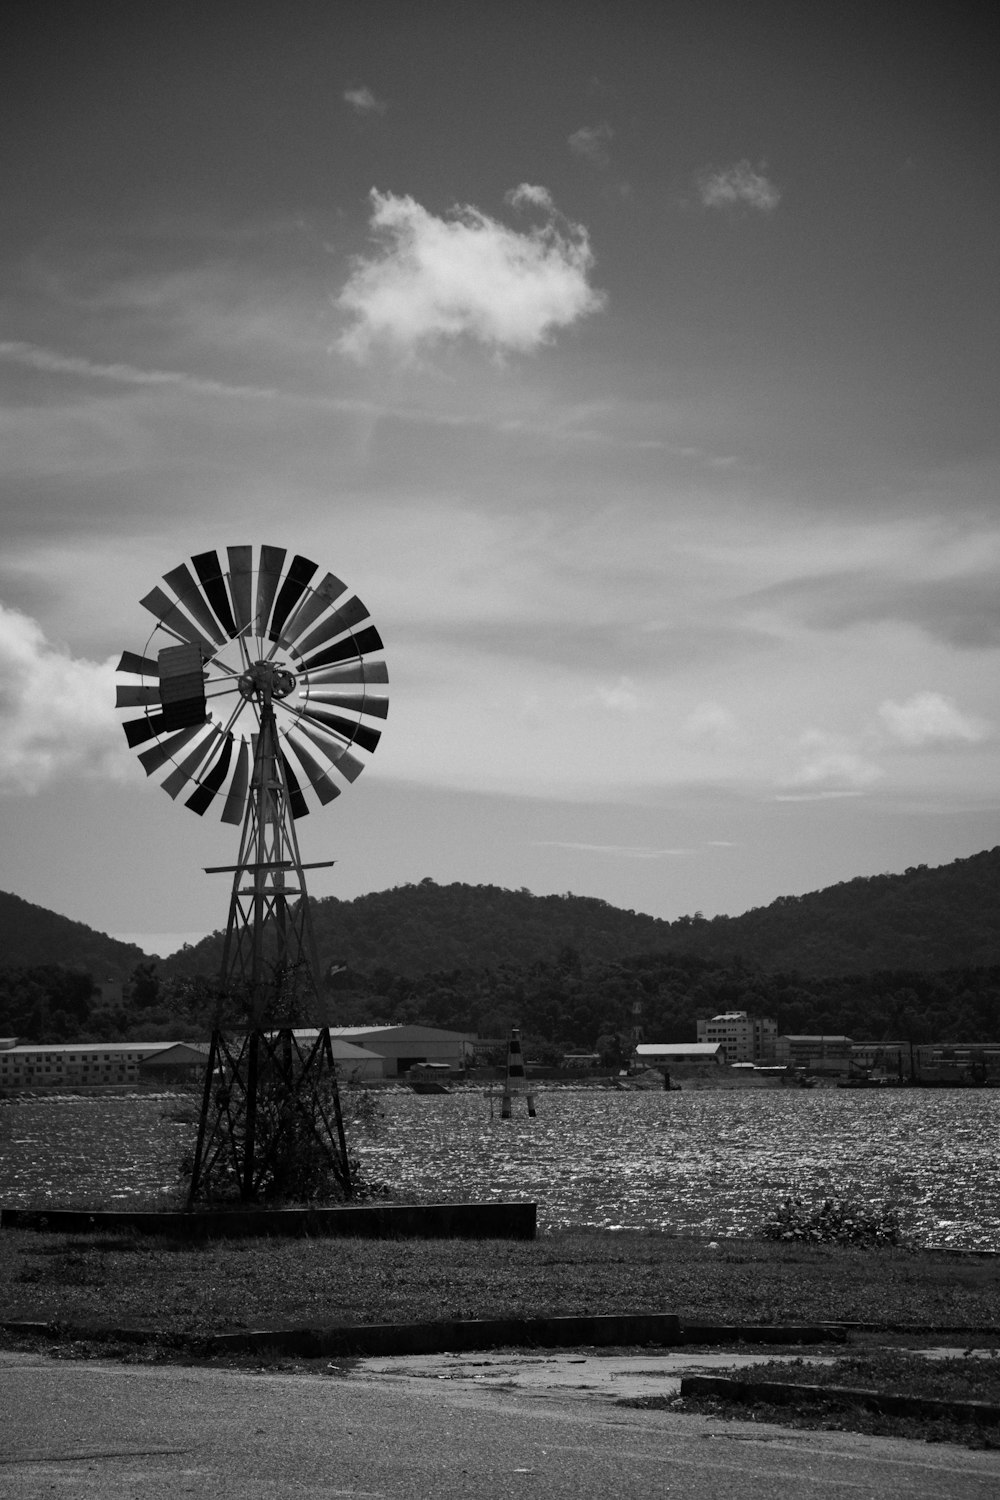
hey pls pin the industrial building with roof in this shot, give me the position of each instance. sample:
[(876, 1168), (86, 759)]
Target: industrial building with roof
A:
[(404, 1046), (656, 1054), (362, 1054)]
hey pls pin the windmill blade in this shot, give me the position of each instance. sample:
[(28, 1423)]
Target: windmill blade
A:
[(182, 686), (354, 645), (298, 804), (268, 576), (193, 600), (343, 619), (318, 777), (237, 799), (128, 695), (253, 641), (358, 734), (361, 703), (241, 584), (151, 760), (294, 586), (209, 785), (209, 570), (185, 770), (337, 754), (356, 671), (173, 617), (149, 727), (312, 606), (138, 666)]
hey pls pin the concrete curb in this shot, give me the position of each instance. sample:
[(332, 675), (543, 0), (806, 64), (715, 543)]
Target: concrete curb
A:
[(763, 1333), (451, 1336), (780, 1393), (508, 1221)]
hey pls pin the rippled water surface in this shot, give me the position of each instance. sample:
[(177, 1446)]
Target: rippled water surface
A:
[(708, 1163)]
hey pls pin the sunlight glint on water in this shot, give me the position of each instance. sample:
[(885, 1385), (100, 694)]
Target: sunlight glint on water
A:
[(707, 1163)]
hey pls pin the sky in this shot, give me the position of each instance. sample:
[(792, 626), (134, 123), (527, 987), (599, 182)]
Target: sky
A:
[(637, 365)]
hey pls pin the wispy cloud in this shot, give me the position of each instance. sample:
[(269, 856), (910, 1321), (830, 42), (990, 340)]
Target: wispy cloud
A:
[(364, 102), (466, 276), (738, 186), (931, 719), (52, 362), (619, 851), (592, 142), (58, 713)]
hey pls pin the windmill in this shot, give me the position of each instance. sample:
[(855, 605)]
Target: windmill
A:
[(258, 688)]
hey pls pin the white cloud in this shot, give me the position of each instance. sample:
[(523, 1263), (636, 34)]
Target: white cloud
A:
[(712, 722), (930, 718), (364, 101), (466, 276), (830, 765), (620, 697), (591, 142), (530, 195), (56, 712), (738, 186)]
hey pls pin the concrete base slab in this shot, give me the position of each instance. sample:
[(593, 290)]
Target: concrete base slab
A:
[(610, 1377)]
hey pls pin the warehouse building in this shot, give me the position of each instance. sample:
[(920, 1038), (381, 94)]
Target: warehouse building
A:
[(816, 1054), (402, 1047), (73, 1064), (670, 1054)]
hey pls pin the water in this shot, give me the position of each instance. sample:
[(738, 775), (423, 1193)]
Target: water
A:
[(705, 1163)]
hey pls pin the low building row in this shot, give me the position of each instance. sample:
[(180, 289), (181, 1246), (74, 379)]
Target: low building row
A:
[(840, 1057), (363, 1054)]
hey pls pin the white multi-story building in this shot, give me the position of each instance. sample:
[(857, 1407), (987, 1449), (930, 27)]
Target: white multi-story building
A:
[(743, 1038)]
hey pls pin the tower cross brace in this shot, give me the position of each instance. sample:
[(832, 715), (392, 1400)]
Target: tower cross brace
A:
[(270, 1102)]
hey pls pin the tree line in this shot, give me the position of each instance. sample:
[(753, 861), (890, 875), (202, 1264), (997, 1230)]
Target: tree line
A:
[(565, 1003)]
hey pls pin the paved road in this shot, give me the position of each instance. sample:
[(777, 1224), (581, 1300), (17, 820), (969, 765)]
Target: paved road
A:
[(94, 1429)]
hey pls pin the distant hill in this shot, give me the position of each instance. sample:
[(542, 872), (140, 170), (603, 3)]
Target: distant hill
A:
[(31, 936), (946, 917), (941, 917), (915, 955)]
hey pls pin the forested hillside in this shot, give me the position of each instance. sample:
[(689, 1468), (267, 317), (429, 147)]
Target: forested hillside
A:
[(31, 935), (913, 957), (927, 918), (570, 1003)]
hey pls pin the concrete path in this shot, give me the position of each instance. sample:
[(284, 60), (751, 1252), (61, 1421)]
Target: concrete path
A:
[(94, 1430)]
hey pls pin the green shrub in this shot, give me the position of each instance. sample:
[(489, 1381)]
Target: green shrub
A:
[(833, 1222)]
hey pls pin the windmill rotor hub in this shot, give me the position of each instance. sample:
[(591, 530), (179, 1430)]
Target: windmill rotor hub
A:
[(267, 680)]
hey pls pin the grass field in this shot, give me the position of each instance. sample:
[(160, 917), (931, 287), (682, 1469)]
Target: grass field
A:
[(970, 1377), (129, 1281), (229, 1285)]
